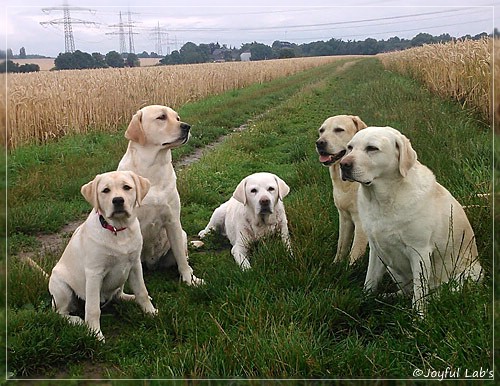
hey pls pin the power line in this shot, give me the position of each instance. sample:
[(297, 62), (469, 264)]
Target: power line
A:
[(228, 29), (399, 31)]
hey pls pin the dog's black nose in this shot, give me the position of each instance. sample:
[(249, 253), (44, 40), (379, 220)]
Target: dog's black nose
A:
[(185, 127), (320, 144), (118, 201), (264, 201), (345, 166)]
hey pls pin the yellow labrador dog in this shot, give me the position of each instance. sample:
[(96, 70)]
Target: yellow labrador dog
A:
[(416, 229), (255, 210), (334, 134), (152, 133), (104, 251)]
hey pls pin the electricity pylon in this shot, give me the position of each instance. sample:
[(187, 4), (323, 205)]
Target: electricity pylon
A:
[(67, 21)]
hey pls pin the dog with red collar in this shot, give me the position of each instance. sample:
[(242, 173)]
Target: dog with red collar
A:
[(104, 252)]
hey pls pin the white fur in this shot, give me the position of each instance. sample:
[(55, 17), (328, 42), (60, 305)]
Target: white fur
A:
[(246, 217), (416, 229), (153, 132), (97, 262)]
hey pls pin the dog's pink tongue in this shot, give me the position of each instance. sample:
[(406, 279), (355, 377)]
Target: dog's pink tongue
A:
[(324, 158)]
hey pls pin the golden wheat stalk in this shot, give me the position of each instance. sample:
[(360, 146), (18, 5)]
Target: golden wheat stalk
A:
[(46, 105)]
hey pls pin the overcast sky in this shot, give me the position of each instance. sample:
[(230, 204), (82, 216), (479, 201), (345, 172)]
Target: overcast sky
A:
[(38, 25)]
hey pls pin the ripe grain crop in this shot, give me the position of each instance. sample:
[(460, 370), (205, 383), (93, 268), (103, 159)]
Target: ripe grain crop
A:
[(496, 78), (46, 105), (459, 69)]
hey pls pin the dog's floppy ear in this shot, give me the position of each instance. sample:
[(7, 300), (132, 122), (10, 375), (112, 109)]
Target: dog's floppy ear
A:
[(283, 188), (240, 193), (89, 192), (135, 131), (142, 186), (358, 122), (407, 156)]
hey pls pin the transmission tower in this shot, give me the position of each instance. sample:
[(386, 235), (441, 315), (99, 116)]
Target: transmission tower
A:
[(122, 34), (67, 21), (159, 35)]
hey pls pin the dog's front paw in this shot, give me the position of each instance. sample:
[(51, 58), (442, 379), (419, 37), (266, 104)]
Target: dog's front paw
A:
[(126, 297), (197, 244), (190, 279), (245, 265), (202, 234), (99, 336)]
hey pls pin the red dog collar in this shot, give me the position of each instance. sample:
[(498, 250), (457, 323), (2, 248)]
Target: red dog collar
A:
[(108, 226)]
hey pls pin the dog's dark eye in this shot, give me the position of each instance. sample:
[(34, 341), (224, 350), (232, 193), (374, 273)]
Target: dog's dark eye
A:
[(106, 190), (178, 119), (162, 117), (349, 147), (321, 131), (253, 190), (338, 130), (270, 189), (371, 148), (126, 187)]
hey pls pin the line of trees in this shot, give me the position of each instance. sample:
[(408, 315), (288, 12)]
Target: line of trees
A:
[(10, 66), (83, 60), (214, 52), (192, 53)]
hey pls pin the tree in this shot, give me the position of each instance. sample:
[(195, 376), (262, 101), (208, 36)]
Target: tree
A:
[(421, 39), (260, 51), (22, 53), (132, 60), (114, 59), (64, 61), (190, 53), (29, 67), (74, 60), (285, 53), (99, 60), (10, 66), (173, 58)]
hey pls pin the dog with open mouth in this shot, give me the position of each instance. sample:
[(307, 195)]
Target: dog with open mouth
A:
[(334, 134)]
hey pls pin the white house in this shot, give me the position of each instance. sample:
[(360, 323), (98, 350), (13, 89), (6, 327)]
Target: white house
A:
[(245, 56)]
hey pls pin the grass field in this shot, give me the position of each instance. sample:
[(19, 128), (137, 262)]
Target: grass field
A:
[(288, 317)]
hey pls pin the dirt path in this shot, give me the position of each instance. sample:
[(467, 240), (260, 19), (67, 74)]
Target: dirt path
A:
[(54, 242)]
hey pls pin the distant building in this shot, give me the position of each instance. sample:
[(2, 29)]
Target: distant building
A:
[(245, 56), (219, 55)]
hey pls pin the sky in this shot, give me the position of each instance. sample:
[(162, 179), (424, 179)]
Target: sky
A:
[(38, 25)]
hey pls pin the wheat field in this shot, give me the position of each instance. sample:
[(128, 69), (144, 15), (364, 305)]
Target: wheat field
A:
[(458, 69), (45, 105)]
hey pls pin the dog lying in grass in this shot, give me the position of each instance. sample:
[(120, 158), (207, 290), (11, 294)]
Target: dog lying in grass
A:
[(104, 251), (256, 209)]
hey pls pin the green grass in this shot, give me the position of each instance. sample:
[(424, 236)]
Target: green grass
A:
[(299, 316)]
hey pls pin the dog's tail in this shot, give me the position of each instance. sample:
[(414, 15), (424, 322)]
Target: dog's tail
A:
[(28, 260)]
